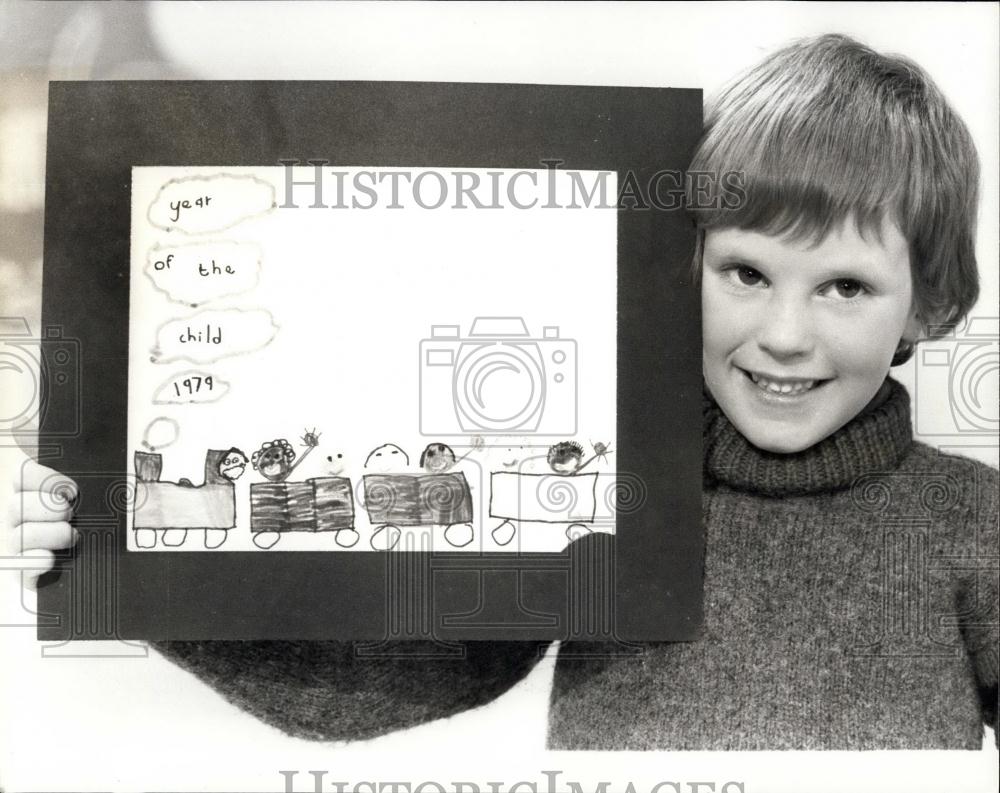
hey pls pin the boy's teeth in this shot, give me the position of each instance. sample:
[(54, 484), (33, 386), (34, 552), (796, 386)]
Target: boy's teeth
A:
[(782, 388)]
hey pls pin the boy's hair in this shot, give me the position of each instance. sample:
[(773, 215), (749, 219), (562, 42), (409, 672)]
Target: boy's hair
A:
[(827, 129)]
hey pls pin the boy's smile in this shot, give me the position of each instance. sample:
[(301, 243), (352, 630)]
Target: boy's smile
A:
[(799, 336)]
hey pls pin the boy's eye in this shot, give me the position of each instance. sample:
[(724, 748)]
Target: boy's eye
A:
[(748, 276), (847, 288)]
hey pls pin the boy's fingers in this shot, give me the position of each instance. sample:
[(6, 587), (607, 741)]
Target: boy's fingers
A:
[(33, 565), (34, 476), (33, 506), (41, 536)]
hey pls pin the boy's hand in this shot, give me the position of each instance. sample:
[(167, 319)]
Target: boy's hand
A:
[(40, 508)]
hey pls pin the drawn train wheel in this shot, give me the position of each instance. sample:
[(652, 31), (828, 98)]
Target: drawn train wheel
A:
[(347, 538), (145, 538), (504, 533), (458, 535), (577, 530), (385, 537), (174, 538), (214, 538), (266, 539)]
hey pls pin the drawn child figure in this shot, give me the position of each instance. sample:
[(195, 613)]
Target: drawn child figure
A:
[(385, 459), (222, 467), (564, 458), (336, 464), (439, 458), (854, 240), (232, 464), (275, 461)]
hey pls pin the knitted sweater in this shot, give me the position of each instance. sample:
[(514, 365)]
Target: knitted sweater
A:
[(850, 603)]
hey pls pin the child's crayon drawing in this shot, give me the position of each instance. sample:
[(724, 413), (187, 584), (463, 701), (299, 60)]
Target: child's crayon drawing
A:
[(443, 377)]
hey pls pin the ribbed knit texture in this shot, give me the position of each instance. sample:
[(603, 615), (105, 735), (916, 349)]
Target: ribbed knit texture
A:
[(850, 603), (877, 443)]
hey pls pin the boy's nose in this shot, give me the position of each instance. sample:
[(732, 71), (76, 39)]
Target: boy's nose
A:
[(785, 331)]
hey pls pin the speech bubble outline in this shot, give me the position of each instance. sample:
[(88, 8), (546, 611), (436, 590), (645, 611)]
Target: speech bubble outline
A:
[(258, 316), (161, 424), (217, 383), (161, 252), (213, 181)]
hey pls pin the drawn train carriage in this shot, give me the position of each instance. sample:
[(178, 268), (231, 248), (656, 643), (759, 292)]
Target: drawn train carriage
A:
[(393, 501), (323, 504), (519, 497)]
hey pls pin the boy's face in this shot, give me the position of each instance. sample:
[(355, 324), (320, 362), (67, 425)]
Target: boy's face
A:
[(798, 337)]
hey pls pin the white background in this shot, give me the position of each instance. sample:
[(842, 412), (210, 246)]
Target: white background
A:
[(141, 723)]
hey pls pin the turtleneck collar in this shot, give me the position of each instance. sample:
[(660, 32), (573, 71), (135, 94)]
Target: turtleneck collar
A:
[(875, 440)]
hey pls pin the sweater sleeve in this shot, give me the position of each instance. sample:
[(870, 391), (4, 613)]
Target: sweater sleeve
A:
[(979, 598), (335, 691)]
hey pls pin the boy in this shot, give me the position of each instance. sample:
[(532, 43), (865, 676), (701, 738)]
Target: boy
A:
[(849, 602)]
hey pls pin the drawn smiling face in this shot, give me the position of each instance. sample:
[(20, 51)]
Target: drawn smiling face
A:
[(565, 457), (515, 455), (386, 458), (272, 464), (274, 459), (233, 465), (510, 457), (437, 458), (336, 464)]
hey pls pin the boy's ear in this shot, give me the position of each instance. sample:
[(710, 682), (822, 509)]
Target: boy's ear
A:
[(914, 326)]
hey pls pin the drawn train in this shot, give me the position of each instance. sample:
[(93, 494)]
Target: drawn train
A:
[(327, 504)]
